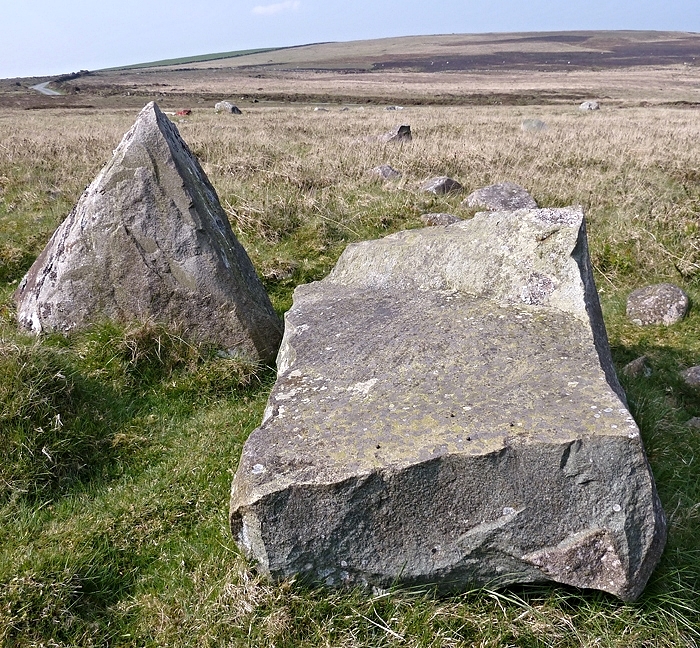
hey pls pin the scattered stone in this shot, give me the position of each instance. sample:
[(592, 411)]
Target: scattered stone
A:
[(533, 125), (441, 185), (589, 105), (637, 368), (394, 108), (694, 422), (505, 196), (227, 107), (658, 304), (344, 109), (438, 418), (149, 241), (399, 134), (320, 109), (439, 219), (385, 172), (691, 376)]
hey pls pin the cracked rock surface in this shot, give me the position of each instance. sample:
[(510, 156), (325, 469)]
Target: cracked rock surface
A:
[(148, 240), (446, 412)]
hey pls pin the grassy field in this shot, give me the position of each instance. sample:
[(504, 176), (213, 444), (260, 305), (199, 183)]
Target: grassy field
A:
[(119, 443)]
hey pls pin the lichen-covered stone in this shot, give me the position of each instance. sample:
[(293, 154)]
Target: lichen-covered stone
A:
[(503, 196), (148, 240), (446, 411), (658, 304)]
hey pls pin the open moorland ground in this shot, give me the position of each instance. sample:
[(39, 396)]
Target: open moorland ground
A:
[(118, 444)]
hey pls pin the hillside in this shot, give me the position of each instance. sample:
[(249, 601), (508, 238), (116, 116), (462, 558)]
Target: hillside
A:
[(458, 69)]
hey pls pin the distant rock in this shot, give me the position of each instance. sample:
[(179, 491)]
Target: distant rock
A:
[(533, 125), (441, 185), (504, 196), (446, 412), (148, 240), (440, 219), (661, 303), (385, 172), (320, 109), (589, 105), (394, 108), (398, 134), (227, 107)]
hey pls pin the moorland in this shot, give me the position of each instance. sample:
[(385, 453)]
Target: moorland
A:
[(118, 443)]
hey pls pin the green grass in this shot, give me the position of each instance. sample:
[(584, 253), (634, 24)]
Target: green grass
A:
[(118, 444), (194, 59)]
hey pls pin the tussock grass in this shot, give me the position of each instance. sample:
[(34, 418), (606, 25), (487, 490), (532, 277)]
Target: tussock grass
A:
[(120, 536)]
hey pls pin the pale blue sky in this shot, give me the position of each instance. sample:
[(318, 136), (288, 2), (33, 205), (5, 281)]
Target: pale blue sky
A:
[(45, 37)]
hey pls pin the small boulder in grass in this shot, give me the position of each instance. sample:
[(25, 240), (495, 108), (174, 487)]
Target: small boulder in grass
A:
[(589, 105), (637, 368), (399, 134), (441, 185), (440, 219), (227, 107), (691, 376), (385, 172), (661, 303), (504, 196)]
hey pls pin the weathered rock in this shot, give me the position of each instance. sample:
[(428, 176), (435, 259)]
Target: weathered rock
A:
[(385, 172), (439, 219), (320, 109), (658, 304), (227, 107), (691, 376), (637, 368), (693, 422), (504, 196), (148, 240), (446, 411), (399, 134), (394, 108), (589, 105), (533, 125), (441, 185)]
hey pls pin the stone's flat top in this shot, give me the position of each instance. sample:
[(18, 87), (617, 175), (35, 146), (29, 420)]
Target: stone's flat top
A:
[(424, 381)]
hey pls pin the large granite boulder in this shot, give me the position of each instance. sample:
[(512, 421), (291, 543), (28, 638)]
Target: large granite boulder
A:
[(504, 196), (446, 411), (148, 240)]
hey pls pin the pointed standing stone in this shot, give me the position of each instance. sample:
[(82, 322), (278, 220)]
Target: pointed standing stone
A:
[(148, 240)]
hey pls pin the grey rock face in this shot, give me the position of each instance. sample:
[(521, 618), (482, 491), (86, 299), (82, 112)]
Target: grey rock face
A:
[(658, 304), (441, 185), (505, 196), (398, 134), (533, 125), (148, 240), (589, 105), (227, 107), (440, 219), (446, 411), (385, 172)]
